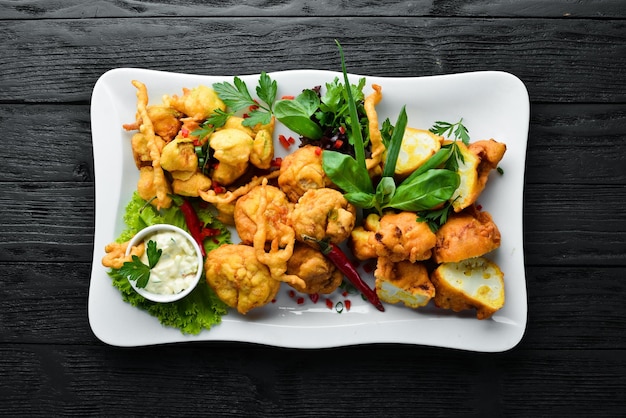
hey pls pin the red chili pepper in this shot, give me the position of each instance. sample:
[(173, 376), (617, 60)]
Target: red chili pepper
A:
[(283, 141), (288, 97), (184, 132), (343, 263), (338, 143), (194, 224), (318, 151)]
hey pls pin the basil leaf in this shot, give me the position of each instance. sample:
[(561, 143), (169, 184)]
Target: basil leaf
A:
[(439, 158), (361, 199), (346, 173), (296, 114), (425, 191), (385, 190)]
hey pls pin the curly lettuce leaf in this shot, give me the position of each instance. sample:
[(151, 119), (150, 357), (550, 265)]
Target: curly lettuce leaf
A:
[(199, 310)]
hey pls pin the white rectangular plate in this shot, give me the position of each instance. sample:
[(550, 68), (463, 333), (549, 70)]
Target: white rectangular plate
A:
[(492, 105)]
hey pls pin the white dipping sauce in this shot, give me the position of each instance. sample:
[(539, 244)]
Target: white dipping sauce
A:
[(177, 267)]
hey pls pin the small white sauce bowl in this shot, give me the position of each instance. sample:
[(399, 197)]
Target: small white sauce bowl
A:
[(146, 232)]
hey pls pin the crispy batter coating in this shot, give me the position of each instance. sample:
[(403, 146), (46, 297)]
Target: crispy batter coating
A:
[(115, 256), (232, 148), (192, 186), (179, 158), (490, 153), (404, 282), (301, 171), (141, 151), (323, 214), (468, 190), (198, 103), (148, 185), (166, 121), (238, 278), (159, 181), (399, 236), (374, 163), (276, 212), (319, 274), (476, 283), (470, 233), (262, 152)]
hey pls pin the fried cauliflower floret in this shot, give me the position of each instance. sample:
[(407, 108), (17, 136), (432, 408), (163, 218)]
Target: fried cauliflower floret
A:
[(319, 274), (179, 158), (262, 152), (166, 121), (362, 243), (276, 213), (192, 186), (323, 214), (115, 256), (238, 278), (476, 283), (418, 145), (470, 233), (399, 236), (404, 282), (198, 103), (232, 148), (301, 171)]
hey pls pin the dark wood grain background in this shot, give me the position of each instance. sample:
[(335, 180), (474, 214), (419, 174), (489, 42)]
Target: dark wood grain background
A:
[(571, 56)]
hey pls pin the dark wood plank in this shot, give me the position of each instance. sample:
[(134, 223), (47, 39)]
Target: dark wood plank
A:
[(60, 60), (196, 8), (232, 380)]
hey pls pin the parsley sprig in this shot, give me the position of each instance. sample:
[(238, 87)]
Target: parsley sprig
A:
[(137, 271), (237, 97), (459, 130)]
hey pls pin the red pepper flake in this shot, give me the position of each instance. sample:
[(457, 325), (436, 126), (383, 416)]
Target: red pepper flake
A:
[(314, 297), (273, 300), (318, 151), (479, 207), (329, 304), (184, 132), (342, 130), (291, 140), (277, 162), (292, 294), (338, 143), (218, 189), (283, 141), (245, 116), (347, 303), (253, 107), (288, 97), (300, 301), (344, 293)]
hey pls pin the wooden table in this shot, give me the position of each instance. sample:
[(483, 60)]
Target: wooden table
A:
[(572, 58)]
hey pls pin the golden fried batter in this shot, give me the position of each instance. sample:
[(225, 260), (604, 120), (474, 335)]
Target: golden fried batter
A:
[(147, 187), (399, 236), (179, 158), (276, 212), (141, 152), (490, 153), (238, 278), (468, 234), (374, 163), (192, 186), (232, 148), (198, 103), (301, 171), (404, 282), (323, 214), (319, 274), (115, 256)]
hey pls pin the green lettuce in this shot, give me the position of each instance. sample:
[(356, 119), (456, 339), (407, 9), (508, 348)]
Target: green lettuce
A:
[(199, 310)]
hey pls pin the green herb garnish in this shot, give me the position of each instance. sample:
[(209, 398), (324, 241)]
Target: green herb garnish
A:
[(237, 97), (137, 271), (447, 129)]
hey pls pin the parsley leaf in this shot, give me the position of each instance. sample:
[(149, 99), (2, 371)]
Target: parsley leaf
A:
[(447, 129), (137, 271), (237, 97), (435, 218)]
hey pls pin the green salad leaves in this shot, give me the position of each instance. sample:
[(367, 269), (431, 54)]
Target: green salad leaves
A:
[(199, 310)]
